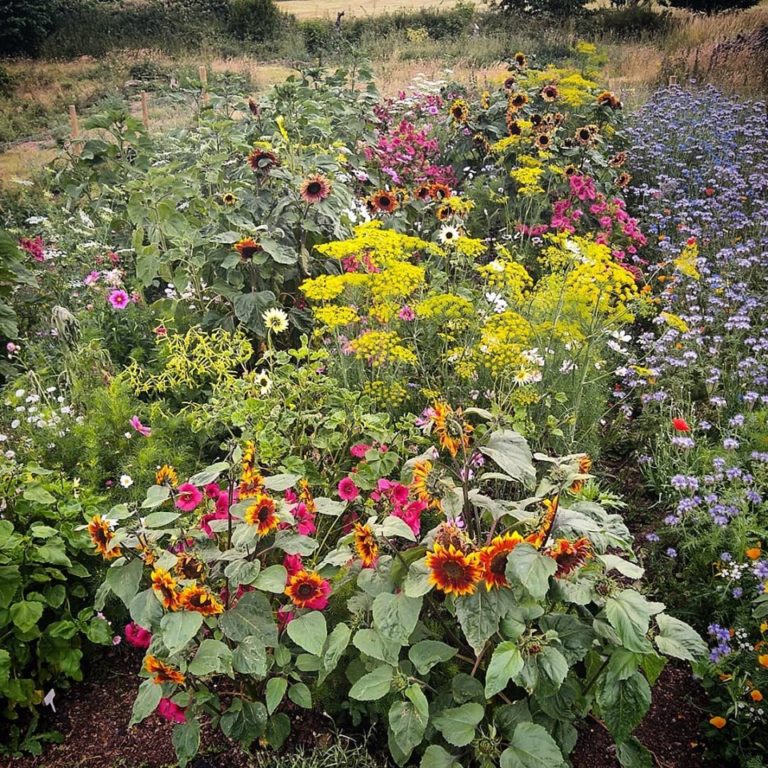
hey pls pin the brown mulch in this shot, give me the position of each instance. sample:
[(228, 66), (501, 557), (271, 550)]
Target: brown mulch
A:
[(93, 717)]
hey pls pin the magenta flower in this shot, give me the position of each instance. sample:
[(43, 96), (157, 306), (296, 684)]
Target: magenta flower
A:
[(92, 277), (170, 711), (118, 299), (292, 564), (358, 450), (189, 497), (406, 314), (137, 636), (348, 491), (139, 427)]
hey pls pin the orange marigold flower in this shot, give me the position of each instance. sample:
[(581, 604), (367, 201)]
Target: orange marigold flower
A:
[(102, 537), (452, 571), (308, 589), (365, 545), (755, 695), (754, 553), (493, 559), (570, 555), (166, 475), (199, 600), (718, 722), (162, 672), (452, 431), (164, 587), (261, 513), (762, 660)]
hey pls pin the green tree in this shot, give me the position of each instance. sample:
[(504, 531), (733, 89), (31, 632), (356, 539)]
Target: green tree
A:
[(24, 25)]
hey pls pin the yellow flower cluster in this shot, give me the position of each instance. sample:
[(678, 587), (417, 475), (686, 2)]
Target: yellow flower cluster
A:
[(673, 321), (507, 276), (528, 180), (470, 247), (398, 280), (504, 337), (333, 316), (379, 347), (391, 393), (446, 307), (574, 89), (193, 359), (685, 263)]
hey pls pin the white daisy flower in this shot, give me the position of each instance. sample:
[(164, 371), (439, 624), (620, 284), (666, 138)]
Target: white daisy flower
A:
[(276, 320)]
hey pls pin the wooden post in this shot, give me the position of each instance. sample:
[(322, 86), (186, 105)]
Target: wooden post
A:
[(672, 80), (203, 83), (145, 110), (73, 124)]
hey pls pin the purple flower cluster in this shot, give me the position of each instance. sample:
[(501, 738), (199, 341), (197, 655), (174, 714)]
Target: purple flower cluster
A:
[(722, 639)]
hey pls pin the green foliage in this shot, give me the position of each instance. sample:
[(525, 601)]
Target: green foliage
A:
[(46, 590), (254, 19), (12, 274), (24, 25)]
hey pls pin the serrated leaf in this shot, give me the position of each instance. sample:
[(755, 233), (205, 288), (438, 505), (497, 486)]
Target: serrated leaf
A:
[(457, 725), (506, 663), (623, 704), (373, 686), (531, 746), (677, 639), (429, 653), (530, 569)]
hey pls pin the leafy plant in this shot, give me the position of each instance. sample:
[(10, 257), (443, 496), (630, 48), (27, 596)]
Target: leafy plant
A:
[(12, 274)]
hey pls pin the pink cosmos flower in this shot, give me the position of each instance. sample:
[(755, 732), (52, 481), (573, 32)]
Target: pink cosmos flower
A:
[(119, 299), (406, 314), (92, 277), (137, 636), (292, 564), (347, 489), (189, 497), (170, 711), (139, 427), (359, 450)]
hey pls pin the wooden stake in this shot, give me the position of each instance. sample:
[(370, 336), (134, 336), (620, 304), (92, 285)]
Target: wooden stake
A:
[(145, 110), (203, 83), (75, 128), (672, 80)]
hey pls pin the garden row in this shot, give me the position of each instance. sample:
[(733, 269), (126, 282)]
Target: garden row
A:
[(320, 383)]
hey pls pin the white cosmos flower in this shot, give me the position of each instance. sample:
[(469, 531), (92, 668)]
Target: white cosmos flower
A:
[(276, 320), (126, 481)]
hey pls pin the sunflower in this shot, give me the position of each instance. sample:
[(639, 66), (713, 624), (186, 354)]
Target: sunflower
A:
[(102, 537), (164, 587), (425, 483), (448, 235), (275, 320), (306, 498), (443, 212), (189, 567), (518, 100), (314, 189), (617, 160), (228, 198), (452, 571), (623, 179), (166, 475), (251, 485), (262, 160), (549, 93), (254, 107), (608, 99), (513, 126), (520, 59), (423, 192), (439, 191), (247, 248), (365, 545), (459, 111), (163, 673), (452, 431), (261, 513), (493, 559), (199, 600), (583, 135), (307, 588), (547, 522), (543, 141), (585, 464), (569, 555), (569, 170), (383, 201), (263, 382), (509, 83)]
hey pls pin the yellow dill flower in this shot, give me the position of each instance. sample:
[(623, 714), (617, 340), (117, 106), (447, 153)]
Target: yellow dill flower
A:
[(446, 306), (334, 317), (470, 247), (385, 393), (379, 347), (673, 321)]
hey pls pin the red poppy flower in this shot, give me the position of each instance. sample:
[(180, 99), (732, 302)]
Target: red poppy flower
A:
[(681, 425)]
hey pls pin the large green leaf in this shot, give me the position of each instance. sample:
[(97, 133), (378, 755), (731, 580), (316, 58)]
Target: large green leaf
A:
[(408, 720), (26, 613), (177, 629), (276, 688), (457, 725), (309, 632), (531, 747), (677, 639), (511, 452), (374, 685), (250, 657), (529, 568), (333, 650), (506, 662), (124, 580), (428, 653), (479, 615), (372, 643), (395, 616), (629, 613), (146, 701), (623, 704), (251, 616), (212, 657), (436, 757), (186, 741)]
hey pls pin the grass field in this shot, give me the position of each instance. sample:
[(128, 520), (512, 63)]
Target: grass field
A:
[(327, 9)]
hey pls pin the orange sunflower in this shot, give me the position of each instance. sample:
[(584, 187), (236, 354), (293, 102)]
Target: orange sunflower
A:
[(365, 545), (569, 555), (520, 59), (425, 483), (452, 431), (164, 587), (543, 141), (308, 589), (262, 514), (549, 93), (162, 672), (102, 537), (608, 99), (423, 192), (189, 567), (547, 521), (383, 201), (199, 600), (262, 160), (247, 248), (440, 191), (166, 475), (518, 100), (314, 189), (459, 111), (493, 559), (452, 571)]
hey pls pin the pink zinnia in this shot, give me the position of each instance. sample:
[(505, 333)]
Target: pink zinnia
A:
[(348, 491), (359, 450), (292, 564), (137, 636), (139, 427), (170, 711), (188, 498), (118, 299)]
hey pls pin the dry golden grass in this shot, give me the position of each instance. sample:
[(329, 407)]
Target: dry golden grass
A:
[(327, 9)]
